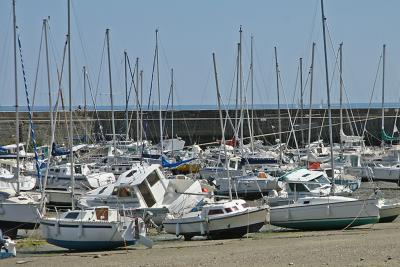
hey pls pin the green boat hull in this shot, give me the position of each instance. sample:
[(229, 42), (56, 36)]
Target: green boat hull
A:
[(326, 224)]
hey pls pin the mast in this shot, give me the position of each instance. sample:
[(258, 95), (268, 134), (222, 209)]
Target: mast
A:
[(85, 109), (252, 94), (52, 121), (71, 155), (137, 99), (50, 102), (236, 130), (16, 96), (141, 108), (301, 101), (48, 73), (279, 107), (159, 96), (383, 96), (126, 96), (222, 126), (111, 91), (241, 90), (311, 89), (341, 95), (327, 90), (172, 110)]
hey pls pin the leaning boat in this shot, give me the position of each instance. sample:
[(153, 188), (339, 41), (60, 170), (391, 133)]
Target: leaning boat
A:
[(100, 228), (145, 188), (215, 220), (325, 213)]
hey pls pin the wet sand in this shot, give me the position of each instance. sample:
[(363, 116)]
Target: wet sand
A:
[(373, 245)]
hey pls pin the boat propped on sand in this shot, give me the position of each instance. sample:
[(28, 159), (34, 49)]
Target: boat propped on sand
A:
[(324, 213), (18, 212), (215, 220), (94, 229)]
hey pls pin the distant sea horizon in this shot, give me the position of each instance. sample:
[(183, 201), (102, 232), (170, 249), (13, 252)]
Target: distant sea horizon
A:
[(210, 107)]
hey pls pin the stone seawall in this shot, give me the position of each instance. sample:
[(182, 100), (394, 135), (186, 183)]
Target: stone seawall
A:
[(198, 126)]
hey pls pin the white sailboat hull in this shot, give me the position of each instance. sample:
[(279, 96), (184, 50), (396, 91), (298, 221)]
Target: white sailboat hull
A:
[(87, 235), (18, 213), (388, 174), (325, 213), (388, 212), (225, 226)]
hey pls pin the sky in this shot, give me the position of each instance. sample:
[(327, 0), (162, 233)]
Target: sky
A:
[(189, 32)]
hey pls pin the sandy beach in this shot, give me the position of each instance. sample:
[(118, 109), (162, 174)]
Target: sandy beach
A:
[(373, 245)]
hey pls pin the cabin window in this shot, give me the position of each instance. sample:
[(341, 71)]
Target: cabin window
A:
[(72, 215), (297, 187), (328, 172), (232, 164), (245, 205), (122, 191), (57, 170), (321, 179), (228, 210), (146, 193), (306, 202), (153, 178), (215, 212), (131, 173), (78, 169)]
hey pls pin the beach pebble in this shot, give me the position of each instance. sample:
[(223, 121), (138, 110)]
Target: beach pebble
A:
[(97, 256), (361, 259), (291, 263)]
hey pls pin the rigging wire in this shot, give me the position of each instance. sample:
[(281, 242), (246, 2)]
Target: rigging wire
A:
[(372, 94)]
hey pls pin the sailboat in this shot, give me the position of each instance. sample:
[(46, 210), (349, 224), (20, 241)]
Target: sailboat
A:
[(99, 228), (380, 172), (218, 219), (221, 219), (18, 210), (325, 212)]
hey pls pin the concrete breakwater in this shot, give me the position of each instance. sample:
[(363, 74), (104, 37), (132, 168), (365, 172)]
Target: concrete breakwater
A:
[(200, 126)]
